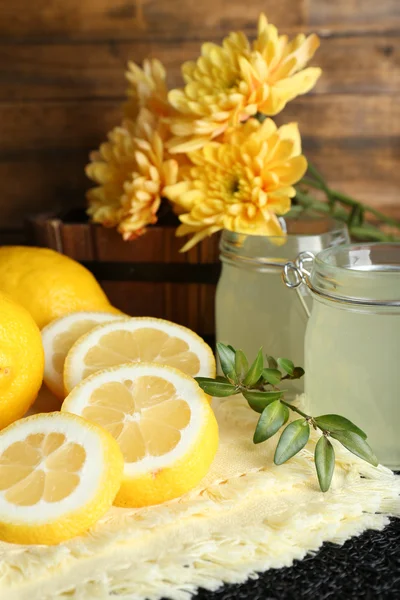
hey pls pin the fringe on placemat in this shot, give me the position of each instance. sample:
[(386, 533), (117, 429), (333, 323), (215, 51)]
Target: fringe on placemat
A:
[(231, 528), (243, 539)]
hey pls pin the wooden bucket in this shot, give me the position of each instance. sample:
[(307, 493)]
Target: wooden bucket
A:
[(145, 277)]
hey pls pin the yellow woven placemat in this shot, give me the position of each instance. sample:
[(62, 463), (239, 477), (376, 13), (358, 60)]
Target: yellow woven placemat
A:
[(247, 516)]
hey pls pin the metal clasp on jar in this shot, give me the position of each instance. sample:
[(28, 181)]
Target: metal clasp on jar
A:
[(296, 273)]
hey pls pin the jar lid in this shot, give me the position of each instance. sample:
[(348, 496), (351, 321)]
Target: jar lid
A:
[(363, 274), (305, 233)]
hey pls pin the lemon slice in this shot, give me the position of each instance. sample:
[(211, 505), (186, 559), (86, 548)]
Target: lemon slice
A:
[(141, 339), (162, 421), (58, 475), (59, 336)]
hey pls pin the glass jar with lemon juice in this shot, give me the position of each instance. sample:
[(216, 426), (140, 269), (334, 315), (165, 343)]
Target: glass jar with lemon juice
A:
[(352, 344), (253, 308)]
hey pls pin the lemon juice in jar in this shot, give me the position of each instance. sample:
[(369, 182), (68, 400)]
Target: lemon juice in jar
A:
[(253, 307), (352, 346)]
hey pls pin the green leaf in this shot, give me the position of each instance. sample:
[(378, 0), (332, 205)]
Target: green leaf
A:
[(298, 373), (286, 365), (324, 457), (241, 365), (293, 439), (227, 360), (259, 400), (219, 389), (357, 445), (338, 423), (273, 376), (255, 370), (272, 362), (272, 418)]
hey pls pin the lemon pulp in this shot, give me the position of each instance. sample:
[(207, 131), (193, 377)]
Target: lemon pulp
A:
[(142, 345), (42, 467), (145, 416)]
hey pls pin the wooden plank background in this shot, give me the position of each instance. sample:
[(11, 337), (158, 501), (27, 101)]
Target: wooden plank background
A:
[(62, 81)]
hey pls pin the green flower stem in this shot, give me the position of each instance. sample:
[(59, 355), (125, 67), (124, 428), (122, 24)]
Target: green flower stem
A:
[(381, 216), (347, 200), (323, 185), (310, 202), (372, 233), (297, 410), (366, 230)]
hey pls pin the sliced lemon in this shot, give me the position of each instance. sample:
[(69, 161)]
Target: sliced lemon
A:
[(141, 339), (59, 336), (162, 422), (58, 475)]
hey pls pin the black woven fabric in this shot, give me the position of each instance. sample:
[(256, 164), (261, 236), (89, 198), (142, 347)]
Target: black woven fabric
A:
[(365, 567)]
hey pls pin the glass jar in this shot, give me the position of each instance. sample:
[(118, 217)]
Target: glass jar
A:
[(253, 307), (352, 346)]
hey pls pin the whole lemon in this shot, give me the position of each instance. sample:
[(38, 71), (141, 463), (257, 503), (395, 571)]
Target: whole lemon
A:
[(21, 360), (48, 284)]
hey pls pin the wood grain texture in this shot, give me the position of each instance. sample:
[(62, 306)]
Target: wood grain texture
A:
[(350, 12), (33, 128), (365, 168), (366, 171), (354, 116), (148, 20), (34, 72), (40, 182), (355, 140), (62, 80), (139, 19)]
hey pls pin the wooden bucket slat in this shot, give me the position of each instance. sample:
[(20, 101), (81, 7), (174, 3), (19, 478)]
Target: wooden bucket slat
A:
[(147, 276)]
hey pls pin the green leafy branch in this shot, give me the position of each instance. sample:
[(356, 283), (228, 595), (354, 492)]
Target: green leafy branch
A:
[(343, 208), (259, 385)]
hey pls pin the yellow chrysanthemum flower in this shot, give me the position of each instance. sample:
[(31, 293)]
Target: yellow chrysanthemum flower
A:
[(131, 171), (232, 82), (147, 89), (240, 184)]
